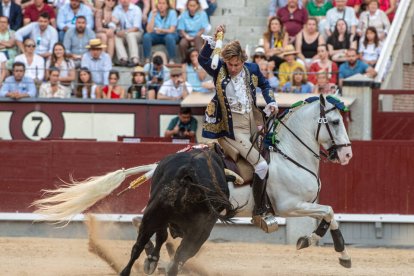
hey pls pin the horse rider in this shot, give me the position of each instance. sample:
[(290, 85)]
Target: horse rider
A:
[(230, 116)]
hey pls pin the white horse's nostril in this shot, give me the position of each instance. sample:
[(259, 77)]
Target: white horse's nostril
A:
[(348, 155)]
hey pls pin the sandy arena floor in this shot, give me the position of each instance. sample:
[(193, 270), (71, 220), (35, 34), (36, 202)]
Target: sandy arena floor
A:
[(47, 256)]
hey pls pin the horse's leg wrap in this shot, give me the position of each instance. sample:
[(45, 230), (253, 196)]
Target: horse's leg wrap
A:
[(338, 240), (322, 228)]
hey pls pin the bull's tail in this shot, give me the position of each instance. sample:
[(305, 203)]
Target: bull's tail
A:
[(215, 199), (63, 203)]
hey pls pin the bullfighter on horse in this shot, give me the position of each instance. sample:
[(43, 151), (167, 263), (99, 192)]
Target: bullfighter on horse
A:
[(231, 116)]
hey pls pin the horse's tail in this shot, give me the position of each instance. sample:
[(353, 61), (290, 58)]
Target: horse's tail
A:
[(63, 203)]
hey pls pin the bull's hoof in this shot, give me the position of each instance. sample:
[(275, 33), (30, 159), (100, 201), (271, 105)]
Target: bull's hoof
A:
[(347, 263), (150, 264), (303, 242)]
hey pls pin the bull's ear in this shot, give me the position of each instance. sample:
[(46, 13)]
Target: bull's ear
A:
[(322, 100)]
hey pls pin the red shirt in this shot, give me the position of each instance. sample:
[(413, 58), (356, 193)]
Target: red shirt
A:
[(33, 13), (315, 68)]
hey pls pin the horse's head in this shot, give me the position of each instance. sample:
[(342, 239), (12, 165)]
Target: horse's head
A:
[(331, 132)]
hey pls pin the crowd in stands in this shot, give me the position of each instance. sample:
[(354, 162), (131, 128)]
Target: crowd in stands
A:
[(67, 48)]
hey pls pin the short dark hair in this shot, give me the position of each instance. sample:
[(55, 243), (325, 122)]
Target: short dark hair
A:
[(45, 15), (185, 110), (157, 60), (53, 69), (81, 17), (19, 64)]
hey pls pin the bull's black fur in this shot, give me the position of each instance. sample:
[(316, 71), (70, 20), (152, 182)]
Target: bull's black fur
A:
[(189, 193)]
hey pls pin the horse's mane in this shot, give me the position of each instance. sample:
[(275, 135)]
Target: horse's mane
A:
[(271, 138)]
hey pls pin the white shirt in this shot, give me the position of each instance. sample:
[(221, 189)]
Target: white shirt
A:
[(168, 89), (45, 91), (6, 9), (348, 14), (370, 53), (44, 40), (36, 70), (3, 57), (237, 97), (85, 92)]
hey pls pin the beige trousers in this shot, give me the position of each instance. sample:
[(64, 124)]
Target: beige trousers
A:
[(131, 39), (244, 126)]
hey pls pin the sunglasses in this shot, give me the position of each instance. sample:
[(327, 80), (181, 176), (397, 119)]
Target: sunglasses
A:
[(174, 76), (30, 45)]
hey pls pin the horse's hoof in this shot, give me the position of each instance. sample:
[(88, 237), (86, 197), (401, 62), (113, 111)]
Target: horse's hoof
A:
[(303, 242), (150, 265), (347, 263)]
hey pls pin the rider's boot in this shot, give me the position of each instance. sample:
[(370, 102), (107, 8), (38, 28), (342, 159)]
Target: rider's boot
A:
[(260, 218)]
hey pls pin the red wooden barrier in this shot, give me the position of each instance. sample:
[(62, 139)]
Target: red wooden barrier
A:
[(379, 179)]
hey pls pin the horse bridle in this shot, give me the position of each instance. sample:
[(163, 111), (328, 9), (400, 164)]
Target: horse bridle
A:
[(333, 150)]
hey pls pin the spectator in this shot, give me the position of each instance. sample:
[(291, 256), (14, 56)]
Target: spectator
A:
[(307, 41), (13, 12), (212, 6), (68, 13), (274, 40), (76, 39), (318, 8), (289, 66), (113, 90), (161, 29), (86, 88), (105, 24), (145, 7), (340, 41), (298, 83), (18, 86), (194, 74), (33, 63), (52, 88), (157, 73), (293, 17), (97, 61), (325, 64), (176, 88), (3, 70), (33, 12), (45, 35), (138, 89), (389, 7), (7, 41), (267, 69), (192, 24), (355, 4), (341, 11), (370, 49), (323, 86), (275, 5), (129, 31), (374, 17), (66, 66), (354, 66), (259, 55), (183, 126)]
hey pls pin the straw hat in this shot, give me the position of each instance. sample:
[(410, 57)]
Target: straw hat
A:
[(176, 71), (138, 69), (95, 43), (289, 50)]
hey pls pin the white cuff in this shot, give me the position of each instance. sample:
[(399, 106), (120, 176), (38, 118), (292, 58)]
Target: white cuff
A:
[(267, 110), (209, 40)]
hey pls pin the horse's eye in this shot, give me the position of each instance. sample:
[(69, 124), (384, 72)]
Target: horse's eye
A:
[(335, 122)]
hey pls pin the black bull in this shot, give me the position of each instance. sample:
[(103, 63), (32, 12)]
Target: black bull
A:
[(189, 193)]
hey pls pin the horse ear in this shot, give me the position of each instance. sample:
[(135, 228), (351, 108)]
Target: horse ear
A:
[(322, 99)]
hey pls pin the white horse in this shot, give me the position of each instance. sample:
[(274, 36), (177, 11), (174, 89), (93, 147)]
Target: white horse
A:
[(293, 183)]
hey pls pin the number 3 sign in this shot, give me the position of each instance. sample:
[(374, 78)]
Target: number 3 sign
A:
[(36, 125)]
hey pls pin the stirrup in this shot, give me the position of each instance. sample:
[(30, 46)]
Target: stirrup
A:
[(267, 223)]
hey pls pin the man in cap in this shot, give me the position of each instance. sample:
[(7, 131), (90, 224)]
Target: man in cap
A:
[(97, 61), (175, 88)]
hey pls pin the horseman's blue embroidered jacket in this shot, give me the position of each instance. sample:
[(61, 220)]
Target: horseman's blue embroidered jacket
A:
[(218, 120)]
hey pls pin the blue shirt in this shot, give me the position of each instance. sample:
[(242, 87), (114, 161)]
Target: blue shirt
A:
[(345, 71), (192, 25), (25, 86), (44, 40), (129, 19), (166, 22), (304, 88), (67, 18), (75, 44), (99, 67)]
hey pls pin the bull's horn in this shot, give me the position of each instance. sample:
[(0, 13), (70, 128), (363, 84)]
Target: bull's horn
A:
[(239, 179)]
